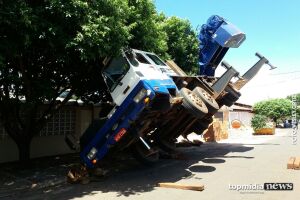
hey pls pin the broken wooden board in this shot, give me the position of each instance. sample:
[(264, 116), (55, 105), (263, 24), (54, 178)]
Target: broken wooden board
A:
[(182, 186), (297, 163), (290, 164), (175, 68)]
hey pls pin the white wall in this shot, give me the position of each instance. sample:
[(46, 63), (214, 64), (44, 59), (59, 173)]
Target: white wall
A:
[(40, 146)]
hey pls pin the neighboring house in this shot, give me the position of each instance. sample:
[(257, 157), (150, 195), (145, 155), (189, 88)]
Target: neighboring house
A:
[(241, 112), (238, 111), (71, 119)]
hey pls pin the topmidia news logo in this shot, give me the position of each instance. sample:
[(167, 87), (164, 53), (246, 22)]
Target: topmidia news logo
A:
[(278, 186), (261, 187)]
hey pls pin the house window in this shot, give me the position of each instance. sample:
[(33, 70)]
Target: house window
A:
[(62, 123)]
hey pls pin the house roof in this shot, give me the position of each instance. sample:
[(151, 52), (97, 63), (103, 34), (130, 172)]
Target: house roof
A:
[(241, 107)]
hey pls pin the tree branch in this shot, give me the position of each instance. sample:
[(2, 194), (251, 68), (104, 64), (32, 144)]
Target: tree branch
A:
[(27, 84)]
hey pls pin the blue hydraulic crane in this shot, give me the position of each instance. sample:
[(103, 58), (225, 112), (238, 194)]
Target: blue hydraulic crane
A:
[(216, 37)]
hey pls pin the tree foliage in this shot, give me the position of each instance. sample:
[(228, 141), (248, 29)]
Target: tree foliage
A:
[(297, 98), (274, 108), (258, 122), (47, 47), (183, 45), (146, 31)]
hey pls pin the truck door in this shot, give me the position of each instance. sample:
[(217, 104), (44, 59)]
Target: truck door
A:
[(120, 78)]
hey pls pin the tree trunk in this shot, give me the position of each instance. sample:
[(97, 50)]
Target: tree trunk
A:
[(24, 149), (275, 120)]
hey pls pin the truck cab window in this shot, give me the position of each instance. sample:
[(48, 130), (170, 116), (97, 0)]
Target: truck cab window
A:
[(156, 59), (131, 58), (115, 71), (141, 58)]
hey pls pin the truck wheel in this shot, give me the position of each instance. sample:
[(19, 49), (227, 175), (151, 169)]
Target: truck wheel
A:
[(143, 155), (210, 102), (192, 103), (230, 97), (226, 102), (232, 93), (204, 123)]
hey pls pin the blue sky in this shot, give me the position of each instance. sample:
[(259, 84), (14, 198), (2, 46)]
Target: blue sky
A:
[(272, 28)]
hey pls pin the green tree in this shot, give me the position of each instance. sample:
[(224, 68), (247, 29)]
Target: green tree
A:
[(146, 30), (290, 97), (183, 45), (274, 108), (47, 47), (258, 122)]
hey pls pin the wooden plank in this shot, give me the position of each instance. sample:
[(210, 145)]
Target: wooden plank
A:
[(290, 164), (175, 68), (297, 163), (182, 186)]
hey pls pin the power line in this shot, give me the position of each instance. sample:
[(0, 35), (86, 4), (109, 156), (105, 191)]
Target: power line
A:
[(275, 83), (285, 73)]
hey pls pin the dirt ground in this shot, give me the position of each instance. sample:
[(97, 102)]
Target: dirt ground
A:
[(241, 160)]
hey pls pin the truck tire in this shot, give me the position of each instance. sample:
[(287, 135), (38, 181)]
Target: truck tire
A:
[(209, 101), (232, 93), (230, 97), (206, 122), (143, 155), (226, 102), (193, 104)]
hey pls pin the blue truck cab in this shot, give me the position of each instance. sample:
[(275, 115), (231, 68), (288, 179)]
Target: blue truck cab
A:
[(134, 86)]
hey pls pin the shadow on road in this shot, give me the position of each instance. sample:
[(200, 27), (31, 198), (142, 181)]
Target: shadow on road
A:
[(135, 178), (213, 160)]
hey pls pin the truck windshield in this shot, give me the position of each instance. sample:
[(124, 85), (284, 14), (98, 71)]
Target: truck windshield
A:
[(156, 59), (115, 71)]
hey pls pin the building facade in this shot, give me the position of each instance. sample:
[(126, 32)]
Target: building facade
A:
[(51, 140)]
